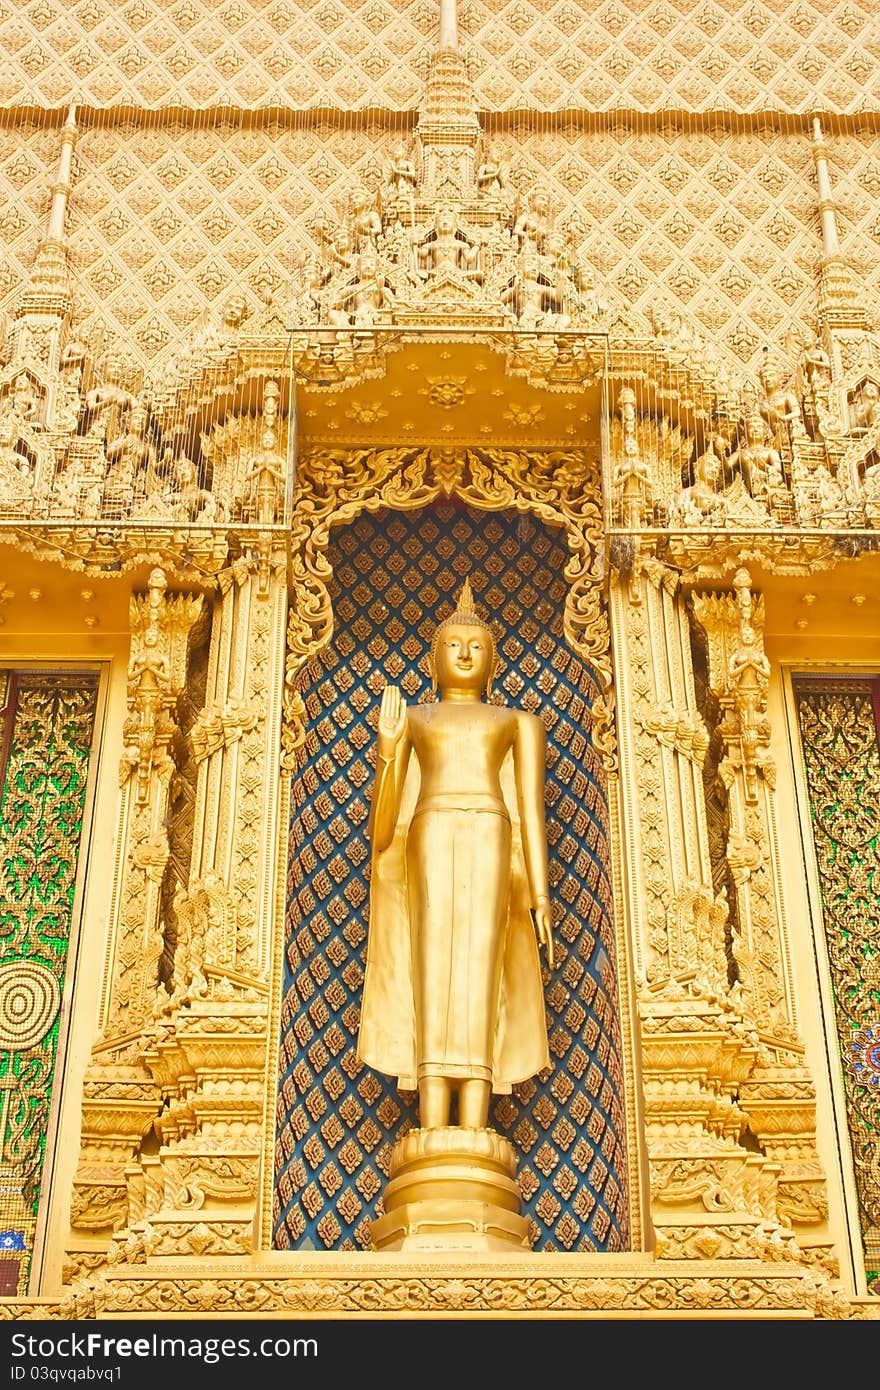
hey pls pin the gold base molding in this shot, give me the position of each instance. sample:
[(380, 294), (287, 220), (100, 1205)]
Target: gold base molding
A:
[(534, 1285), (451, 1189)]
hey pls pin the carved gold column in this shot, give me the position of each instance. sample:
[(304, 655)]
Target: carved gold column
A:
[(778, 1097), (710, 1196), (121, 1098), (209, 1052)]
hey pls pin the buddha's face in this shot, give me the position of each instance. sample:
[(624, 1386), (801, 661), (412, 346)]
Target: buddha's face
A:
[(464, 657)]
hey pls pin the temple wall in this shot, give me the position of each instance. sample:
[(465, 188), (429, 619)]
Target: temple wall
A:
[(178, 486), (543, 55), (167, 218)]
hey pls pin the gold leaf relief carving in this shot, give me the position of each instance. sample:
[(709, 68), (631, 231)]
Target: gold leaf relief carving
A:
[(464, 1293)]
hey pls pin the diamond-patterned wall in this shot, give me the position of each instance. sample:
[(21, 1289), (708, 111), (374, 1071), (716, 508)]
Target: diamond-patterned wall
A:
[(166, 219), (395, 576), (721, 232), (691, 55), (28, 156)]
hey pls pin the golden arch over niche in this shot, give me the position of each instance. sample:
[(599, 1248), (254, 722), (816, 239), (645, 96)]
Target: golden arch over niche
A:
[(561, 487)]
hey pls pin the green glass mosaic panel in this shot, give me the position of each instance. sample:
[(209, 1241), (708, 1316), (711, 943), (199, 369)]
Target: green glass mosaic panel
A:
[(46, 730), (839, 735)]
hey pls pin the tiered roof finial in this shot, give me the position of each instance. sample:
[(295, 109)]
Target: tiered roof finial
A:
[(830, 239), (50, 266), (448, 129), (840, 304)]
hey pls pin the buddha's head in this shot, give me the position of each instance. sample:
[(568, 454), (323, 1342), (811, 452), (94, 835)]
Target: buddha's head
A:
[(463, 650)]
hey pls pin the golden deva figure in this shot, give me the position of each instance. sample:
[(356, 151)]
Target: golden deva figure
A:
[(453, 1000)]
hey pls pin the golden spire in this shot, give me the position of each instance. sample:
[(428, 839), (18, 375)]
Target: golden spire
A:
[(50, 270), (448, 26), (840, 302), (830, 240)]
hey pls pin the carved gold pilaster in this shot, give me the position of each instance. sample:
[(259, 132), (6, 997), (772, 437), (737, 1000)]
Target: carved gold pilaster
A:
[(160, 628), (739, 675), (778, 1097), (208, 1051), (679, 923), (710, 1196), (121, 1099), (233, 737)]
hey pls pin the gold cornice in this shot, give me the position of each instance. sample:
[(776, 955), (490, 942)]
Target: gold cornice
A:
[(542, 1285), (670, 119)]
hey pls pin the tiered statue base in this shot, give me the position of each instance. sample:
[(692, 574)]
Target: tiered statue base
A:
[(452, 1189)]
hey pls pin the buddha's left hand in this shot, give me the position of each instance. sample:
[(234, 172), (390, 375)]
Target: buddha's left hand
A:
[(544, 927)]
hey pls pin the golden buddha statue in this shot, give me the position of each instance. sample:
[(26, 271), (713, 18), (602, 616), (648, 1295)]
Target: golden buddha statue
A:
[(453, 1000)]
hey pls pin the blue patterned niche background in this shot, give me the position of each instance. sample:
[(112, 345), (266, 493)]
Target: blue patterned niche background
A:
[(396, 575)]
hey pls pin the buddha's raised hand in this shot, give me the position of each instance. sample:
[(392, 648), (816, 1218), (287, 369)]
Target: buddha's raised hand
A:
[(392, 721)]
